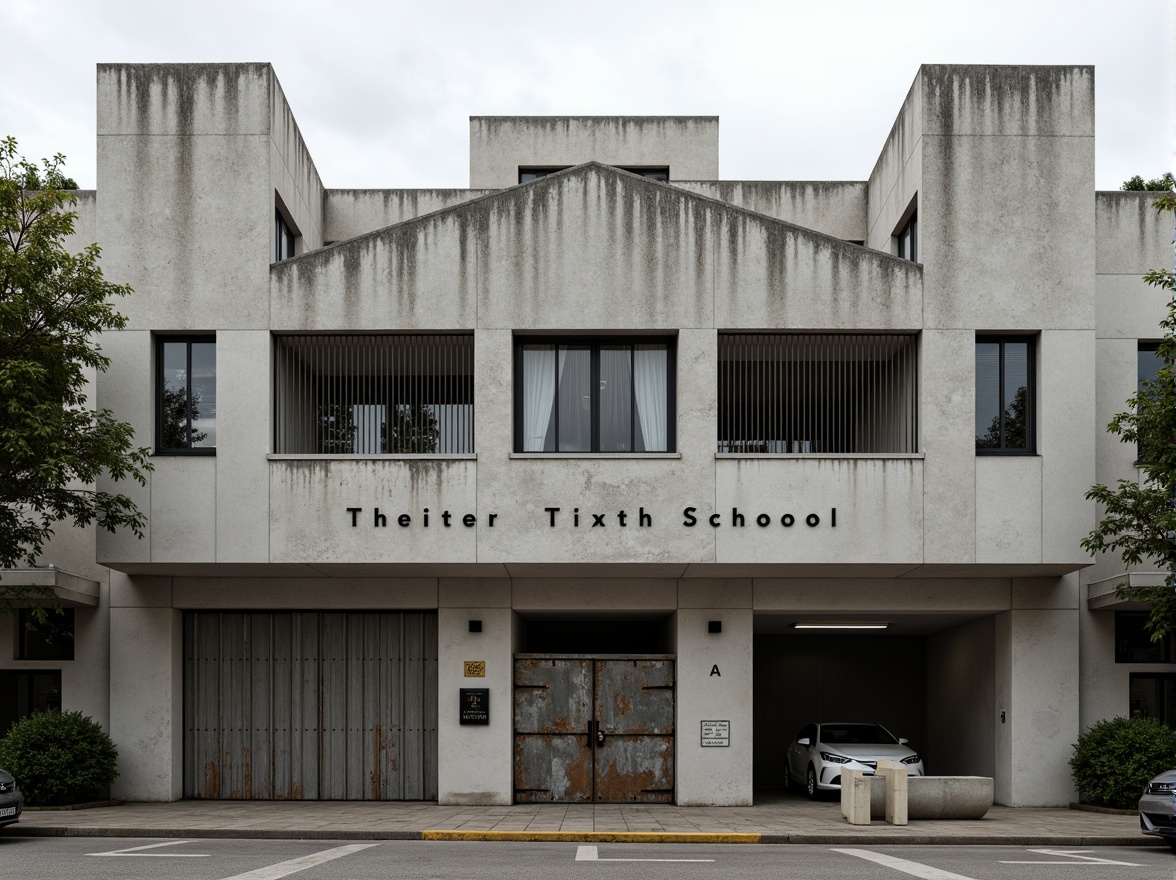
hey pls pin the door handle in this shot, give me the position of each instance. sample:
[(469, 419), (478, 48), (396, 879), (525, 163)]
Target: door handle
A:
[(599, 735)]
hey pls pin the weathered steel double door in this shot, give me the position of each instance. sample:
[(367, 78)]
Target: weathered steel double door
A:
[(591, 729)]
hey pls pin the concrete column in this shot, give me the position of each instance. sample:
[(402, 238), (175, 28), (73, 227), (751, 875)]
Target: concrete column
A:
[(1036, 706), (476, 766), (714, 684), (146, 693)]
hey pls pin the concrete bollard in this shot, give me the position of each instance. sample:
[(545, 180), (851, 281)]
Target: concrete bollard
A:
[(895, 778), (855, 797)]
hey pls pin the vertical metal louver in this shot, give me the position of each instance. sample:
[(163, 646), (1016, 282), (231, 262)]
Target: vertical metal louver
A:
[(818, 393), (374, 394)]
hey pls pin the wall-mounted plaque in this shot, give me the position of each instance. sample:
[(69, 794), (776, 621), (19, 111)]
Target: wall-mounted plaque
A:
[(474, 706), (474, 668), (716, 734)]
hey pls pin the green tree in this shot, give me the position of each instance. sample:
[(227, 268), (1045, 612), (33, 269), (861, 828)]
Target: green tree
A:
[(413, 430), (1163, 183), (53, 306), (1139, 516)]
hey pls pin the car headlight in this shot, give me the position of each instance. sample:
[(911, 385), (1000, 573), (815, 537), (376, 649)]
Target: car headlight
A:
[(835, 759), (911, 759), (1160, 788)]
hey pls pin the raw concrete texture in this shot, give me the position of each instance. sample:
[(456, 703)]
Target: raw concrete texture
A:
[(938, 797), (349, 213), (478, 761), (714, 674), (961, 686), (500, 145), (1008, 508), (836, 208)]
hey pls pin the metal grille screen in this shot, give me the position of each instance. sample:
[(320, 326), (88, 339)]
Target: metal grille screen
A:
[(374, 395), (310, 706), (830, 393)]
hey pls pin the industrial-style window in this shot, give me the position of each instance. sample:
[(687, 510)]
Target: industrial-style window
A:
[(661, 172), (594, 395), (185, 408), (1004, 394), (1148, 364), (827, 393), (52, 639), (374, 395), (283, 238), (908, 239), (1133, 642)]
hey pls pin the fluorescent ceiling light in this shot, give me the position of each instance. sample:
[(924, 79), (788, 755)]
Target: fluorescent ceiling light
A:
[(840, 625)]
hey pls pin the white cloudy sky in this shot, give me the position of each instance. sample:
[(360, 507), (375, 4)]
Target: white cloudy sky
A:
[(383, 91)]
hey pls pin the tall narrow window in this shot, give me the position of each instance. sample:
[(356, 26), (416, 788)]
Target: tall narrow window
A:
[(594, 396), (908, 239), (185, 407), (1148, 364), (374, 394), (1004, 395), (818, 393), (283, 238)]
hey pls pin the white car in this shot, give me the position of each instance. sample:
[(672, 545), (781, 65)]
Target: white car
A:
[(1157, 808), (820, 752)]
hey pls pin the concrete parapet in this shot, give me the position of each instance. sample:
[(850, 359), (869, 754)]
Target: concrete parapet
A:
[(938, 797)]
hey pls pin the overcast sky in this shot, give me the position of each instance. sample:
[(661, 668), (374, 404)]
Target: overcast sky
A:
[(383, 92)]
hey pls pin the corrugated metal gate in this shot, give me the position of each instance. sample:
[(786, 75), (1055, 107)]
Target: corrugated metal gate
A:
[(310, 705), (594, 729)]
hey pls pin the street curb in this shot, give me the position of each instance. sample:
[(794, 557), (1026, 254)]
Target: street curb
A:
[(597, 836), (799, 838)]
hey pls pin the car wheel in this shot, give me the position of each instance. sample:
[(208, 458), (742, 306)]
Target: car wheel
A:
[(810, 787)]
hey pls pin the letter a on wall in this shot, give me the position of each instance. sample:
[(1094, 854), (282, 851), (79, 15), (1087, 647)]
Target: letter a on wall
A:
[(715, 671)]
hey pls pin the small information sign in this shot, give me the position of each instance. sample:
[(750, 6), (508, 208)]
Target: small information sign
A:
[(716, 734), (474, 706), (475, 668)]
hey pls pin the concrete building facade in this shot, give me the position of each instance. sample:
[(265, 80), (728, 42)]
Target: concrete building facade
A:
[(527, 491)]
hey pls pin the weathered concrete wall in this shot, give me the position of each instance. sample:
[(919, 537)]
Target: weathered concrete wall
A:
[(834, 208), (499, 145), (349, 213)]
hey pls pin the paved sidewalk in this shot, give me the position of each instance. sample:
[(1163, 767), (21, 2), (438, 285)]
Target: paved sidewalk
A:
[(774, 819)]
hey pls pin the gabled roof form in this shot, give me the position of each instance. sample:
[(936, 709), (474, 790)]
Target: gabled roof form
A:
[(594, 247)]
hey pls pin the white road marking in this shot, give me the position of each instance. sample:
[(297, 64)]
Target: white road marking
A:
[(913, 868), (282, 869), (592, 854), (134, 851), (1071, 855)]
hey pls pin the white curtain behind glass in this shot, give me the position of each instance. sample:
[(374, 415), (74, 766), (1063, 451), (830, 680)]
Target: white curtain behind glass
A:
[(538, 395), (649, 389)]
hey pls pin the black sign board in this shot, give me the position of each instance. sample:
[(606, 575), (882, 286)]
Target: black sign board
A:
[(474, 707)]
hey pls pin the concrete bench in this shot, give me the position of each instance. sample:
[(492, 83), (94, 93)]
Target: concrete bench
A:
[(912, 797), (938, 797)]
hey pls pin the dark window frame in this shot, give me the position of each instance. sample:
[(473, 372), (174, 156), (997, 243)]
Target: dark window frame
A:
[(160, 341), (908, 239), (285, 238), (594, 343), (657, 173), (1129, 626), (1144, 345), (1031, 393), (40, 650), (1166, 693)]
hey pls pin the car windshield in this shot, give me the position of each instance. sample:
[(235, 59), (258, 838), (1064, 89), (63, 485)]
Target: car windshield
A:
[(855, 734)]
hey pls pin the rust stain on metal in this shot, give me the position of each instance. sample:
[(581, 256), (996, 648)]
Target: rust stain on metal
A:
[(212, 780)]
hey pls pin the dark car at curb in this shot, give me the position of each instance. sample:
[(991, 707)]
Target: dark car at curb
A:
[(1157, 808), (11, 800)]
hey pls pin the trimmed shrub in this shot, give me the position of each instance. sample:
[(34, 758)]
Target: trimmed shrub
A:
[(59, 758), (1115, 758)]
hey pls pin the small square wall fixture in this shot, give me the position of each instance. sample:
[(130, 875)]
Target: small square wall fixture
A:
[(475, 626), (714, 626)]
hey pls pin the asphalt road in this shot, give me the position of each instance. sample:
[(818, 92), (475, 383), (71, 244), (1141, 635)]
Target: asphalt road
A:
[(129, 859)]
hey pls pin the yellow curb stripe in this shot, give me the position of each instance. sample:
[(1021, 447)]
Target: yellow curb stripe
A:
[(595, 836)]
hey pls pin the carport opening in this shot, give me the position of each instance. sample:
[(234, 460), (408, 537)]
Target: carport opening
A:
[(595, 635)]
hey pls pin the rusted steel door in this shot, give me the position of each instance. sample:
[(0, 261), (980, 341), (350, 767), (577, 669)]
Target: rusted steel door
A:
[(594, 729), (310, 706)]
